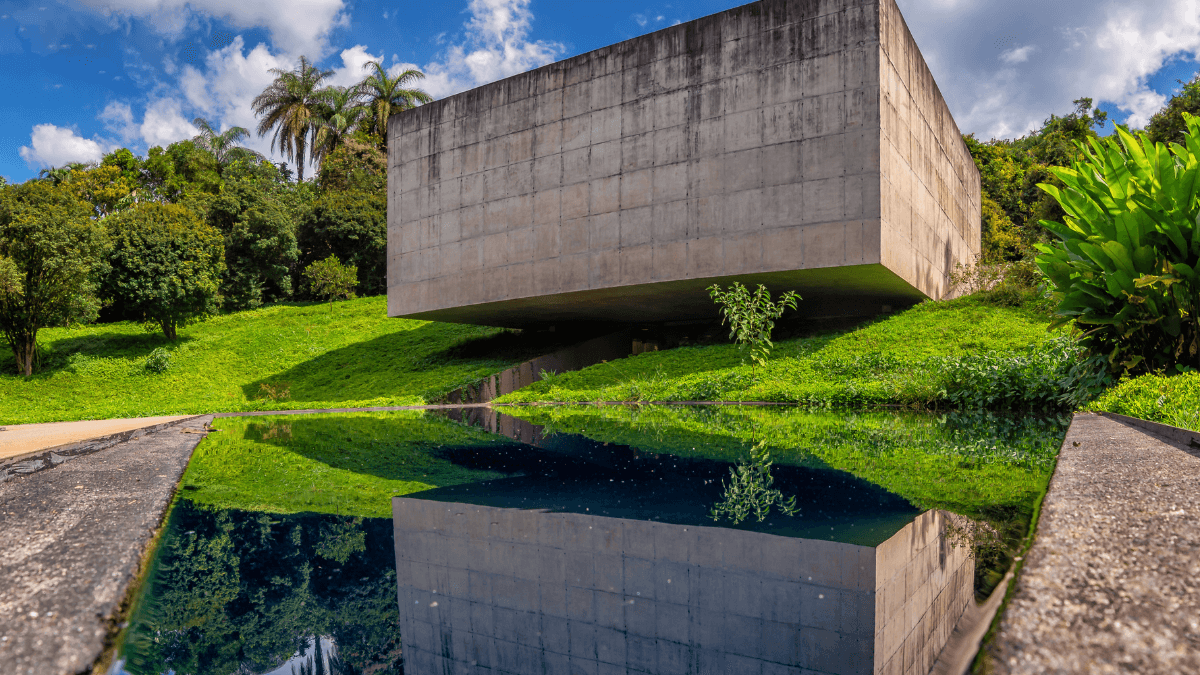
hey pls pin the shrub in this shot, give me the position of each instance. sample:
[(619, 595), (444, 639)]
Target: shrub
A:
[(330, 279), (1125, 269), (159, 361), (165, 264), (1173, 400), (260, 244)]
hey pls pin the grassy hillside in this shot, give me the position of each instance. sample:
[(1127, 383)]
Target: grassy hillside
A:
[(351, 356), (1173, 400), (915, 357)]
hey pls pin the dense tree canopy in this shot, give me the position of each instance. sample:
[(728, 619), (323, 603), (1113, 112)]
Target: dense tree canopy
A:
[(165, 265), (52, 251), (1167, 125)]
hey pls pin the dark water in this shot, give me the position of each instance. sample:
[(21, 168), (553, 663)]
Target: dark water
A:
[(234, 591)]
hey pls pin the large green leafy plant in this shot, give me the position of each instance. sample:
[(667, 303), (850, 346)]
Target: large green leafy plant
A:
[(1125, 269), (751, 316)]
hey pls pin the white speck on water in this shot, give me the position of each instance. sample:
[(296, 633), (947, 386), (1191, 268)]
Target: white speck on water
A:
[(821, 596), (33, 614), (433, 604)]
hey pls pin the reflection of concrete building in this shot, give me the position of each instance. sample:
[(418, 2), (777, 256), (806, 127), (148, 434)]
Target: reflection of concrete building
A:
[(491, 590), (799, 144)]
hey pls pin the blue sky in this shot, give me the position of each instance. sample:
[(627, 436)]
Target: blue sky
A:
[(84, 76)]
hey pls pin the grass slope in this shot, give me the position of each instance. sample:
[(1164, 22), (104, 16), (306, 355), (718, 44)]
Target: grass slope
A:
[(352, 356), (1173, 400), (884, 362)]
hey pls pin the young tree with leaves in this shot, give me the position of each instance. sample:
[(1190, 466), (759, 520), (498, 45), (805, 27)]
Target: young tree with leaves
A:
[(751, 316), (51, 252), (165, 264)]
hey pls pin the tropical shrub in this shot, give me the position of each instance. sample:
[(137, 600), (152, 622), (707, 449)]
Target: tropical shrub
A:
[(1125, 270), (330, 279), (165, 265), (51, 252)]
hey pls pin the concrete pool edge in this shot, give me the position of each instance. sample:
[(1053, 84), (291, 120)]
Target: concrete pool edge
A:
[(1104, 586)]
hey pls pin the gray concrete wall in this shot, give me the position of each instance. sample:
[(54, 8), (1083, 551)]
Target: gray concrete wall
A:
[(930, 190), (507, 590), (742, 145)]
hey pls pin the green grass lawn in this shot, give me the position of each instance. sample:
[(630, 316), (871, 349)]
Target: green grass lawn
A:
[(893, 360), (352, 356), (1173, 400)]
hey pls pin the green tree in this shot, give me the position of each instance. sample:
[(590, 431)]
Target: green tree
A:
[(179, 170), (329, 279), (260, 242), (290, 110), (223, 145), (165, 264), (52, 252), (1125, 267), (385, 95), (357, 164), (339, 114), (1167, 125), (751, 316), (352, 226)]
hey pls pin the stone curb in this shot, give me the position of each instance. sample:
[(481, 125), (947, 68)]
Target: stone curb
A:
[(1166, 431), (37, 460)]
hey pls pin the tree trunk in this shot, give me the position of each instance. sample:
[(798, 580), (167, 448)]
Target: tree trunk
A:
[(168, 328), (24, 350)]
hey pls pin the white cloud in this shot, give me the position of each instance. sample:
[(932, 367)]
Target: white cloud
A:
[(52, 146), (164, 123), (296, 26), (118, 118), (1106, 51), (1018, 55), (496, 46)]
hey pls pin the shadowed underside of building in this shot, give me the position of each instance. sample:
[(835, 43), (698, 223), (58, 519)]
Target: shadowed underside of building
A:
[(802, 144)]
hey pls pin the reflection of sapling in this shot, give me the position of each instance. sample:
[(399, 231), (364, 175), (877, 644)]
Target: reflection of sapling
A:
[(749, 490)]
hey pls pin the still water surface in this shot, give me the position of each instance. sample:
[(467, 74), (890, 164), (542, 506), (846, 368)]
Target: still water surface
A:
[(264, 590)]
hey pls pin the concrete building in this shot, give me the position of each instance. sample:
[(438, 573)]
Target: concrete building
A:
[(798, 143)]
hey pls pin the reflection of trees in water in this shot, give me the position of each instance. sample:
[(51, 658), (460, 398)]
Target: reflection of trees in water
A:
[(241, 592), (749, 490)]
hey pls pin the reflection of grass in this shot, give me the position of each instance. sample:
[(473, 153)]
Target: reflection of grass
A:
[(353, 357), (987, 467), (348, 464), (892, 360)]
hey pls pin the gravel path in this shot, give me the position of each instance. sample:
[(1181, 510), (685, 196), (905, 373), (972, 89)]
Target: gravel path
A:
[(1112, 583), (72, 538)]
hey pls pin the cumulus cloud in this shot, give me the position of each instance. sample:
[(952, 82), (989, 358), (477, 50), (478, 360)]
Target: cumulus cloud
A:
[(496, 45), (164, 123), (296, 26), (1005, 67), (117, 117), (51, 146)]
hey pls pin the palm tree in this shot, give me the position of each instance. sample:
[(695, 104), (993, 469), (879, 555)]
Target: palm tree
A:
[(223, 146), (339, 115), (385, 95), (289, 106)]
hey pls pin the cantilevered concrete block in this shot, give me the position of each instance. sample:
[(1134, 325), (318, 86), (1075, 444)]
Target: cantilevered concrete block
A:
[(798, 143)]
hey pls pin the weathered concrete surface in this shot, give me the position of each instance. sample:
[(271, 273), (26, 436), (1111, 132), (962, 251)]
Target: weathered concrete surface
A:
[(72, 539), (796, 143), (20, 439), (1112, 583)]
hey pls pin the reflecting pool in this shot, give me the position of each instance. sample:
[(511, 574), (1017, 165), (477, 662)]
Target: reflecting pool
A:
[(655, 539)]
